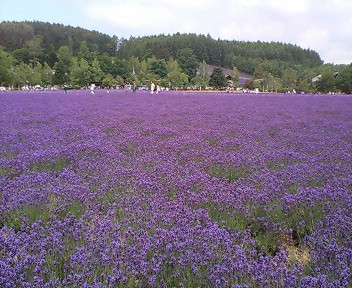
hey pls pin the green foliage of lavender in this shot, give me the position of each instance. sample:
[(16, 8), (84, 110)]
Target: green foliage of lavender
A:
[(175, 190)]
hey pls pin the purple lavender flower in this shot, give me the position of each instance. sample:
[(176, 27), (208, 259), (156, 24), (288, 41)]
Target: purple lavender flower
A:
[(177, 190)]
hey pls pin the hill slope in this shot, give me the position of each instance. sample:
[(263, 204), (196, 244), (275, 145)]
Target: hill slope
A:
[(80, 56), (274, 57), (50, 37)]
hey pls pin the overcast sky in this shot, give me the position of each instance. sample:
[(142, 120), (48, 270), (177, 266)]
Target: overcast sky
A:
[(321, 25)]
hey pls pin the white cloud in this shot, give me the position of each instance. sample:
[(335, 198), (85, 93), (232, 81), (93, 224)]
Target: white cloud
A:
[(137, 16), (289, 7)]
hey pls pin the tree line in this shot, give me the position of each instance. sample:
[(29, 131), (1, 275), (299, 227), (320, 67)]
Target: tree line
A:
[(55, 54)]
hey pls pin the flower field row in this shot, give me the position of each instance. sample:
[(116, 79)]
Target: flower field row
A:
[(175, 190)]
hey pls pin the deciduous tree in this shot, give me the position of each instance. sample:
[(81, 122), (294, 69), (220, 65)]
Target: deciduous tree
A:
[(6, 62), (344, 80)]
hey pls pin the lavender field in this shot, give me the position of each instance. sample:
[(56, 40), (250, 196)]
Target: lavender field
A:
[(175, 190)]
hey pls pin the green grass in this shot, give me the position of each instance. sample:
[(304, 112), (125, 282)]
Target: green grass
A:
[(273, 132), (231, 173), (46, 166), (293, 188), (212, 141), (268, 223), (274, 166), (316, 183), (166, 137), (25, 215), (5, 171), (43, 211), (280, 165), (129, 149), (8, 172), (233, 222)]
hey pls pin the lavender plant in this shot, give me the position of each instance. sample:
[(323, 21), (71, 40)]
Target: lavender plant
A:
[(175, 190)]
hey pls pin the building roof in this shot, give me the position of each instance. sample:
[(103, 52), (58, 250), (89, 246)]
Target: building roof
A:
[(243, 77)]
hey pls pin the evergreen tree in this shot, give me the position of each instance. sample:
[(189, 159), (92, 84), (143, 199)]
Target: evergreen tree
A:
[(85, 53), (121, 68), (158, 67), (217, 78), (188, 62)]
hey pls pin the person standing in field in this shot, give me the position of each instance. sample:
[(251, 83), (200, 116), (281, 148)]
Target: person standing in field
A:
[(126, 87), (152, 87), (92, 87)]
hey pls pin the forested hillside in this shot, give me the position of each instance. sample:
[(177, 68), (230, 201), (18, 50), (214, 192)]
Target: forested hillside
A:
[(244, 55), (55, 54), (45, 39)]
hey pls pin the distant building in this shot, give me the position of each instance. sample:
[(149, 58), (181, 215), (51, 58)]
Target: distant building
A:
[(316, 78)]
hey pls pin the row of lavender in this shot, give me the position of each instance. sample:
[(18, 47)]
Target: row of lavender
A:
[(175, 190)]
